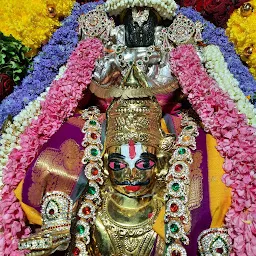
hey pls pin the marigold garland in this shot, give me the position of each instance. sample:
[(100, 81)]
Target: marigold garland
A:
[(241, 30), (236, 143), (20, 18), (60, 103), (217, 68)]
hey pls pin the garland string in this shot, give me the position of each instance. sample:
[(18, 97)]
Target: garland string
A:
[(60, 103), (235, 139)]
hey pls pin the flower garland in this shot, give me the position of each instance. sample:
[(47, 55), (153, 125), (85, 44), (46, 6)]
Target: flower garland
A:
[(46, 65), (216, 36), (236, 143), (40, 14), (217, 12), (10, 137), (241, 30), (60, 102), (217, 68), (165, 8)]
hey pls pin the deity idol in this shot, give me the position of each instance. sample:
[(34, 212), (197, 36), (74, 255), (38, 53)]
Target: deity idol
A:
[(135, 181)]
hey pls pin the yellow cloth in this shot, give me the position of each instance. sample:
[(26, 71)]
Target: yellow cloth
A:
[(219, 194), (159, 225), (164, 126), (33, 216)]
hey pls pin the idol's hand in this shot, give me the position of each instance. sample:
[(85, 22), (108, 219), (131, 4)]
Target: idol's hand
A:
[(46, 242)]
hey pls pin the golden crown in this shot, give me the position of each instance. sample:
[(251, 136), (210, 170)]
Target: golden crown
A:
[(134, 119)]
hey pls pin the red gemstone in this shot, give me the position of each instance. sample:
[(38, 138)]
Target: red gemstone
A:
[(86, 210), (174, 207), (182, 218), (219, 250), (94, 136), (94, 171), (51, 211), (76, 251), (176, 253), (178, 168)]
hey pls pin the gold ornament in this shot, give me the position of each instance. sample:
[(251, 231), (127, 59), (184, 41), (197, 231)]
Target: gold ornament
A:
[(246, 9), (134, 119), (51, 10), (134, 85), (248, 51)]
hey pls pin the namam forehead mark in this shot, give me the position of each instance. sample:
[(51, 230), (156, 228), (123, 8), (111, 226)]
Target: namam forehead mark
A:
[(132, 152)]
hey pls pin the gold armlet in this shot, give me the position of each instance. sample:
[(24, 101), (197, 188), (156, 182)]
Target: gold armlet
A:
[(55, 232)]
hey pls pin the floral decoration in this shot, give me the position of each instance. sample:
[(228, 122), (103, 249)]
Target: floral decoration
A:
[(10, 136), (217, 68), (60, 103), (165, 8), (13, 59), (241, 30), (216, 36), (218, 12), (46, 64), (6, 86), (235, 139), (20, 18)]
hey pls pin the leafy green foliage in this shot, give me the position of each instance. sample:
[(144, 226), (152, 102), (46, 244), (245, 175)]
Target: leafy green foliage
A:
[(13, 58)]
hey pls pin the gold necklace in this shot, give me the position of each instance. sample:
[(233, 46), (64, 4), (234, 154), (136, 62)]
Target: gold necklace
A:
[(130, 239)]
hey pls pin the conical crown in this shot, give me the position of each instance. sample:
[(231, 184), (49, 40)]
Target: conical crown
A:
[(136, 119)]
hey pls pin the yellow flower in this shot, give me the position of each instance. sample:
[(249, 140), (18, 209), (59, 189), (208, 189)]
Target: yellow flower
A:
[(33, 21), (241, 30)]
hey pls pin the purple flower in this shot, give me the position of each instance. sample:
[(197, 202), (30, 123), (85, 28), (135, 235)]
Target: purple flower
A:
[(46, 64)]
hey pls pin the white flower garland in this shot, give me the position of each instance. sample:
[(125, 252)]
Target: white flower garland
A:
[(217, 68), (165, 8), (10, 137)]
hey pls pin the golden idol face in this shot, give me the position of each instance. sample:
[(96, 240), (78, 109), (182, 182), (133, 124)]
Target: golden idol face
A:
[(132, 168)]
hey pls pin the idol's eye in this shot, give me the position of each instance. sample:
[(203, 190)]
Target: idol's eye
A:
[(116, 165), (145, 164)]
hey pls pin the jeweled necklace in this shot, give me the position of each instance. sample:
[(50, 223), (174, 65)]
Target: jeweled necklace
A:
[(177, 214), (93, 171)]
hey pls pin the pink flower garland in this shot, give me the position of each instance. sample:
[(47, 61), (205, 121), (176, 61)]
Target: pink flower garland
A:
[(236, 143), (60, 103)]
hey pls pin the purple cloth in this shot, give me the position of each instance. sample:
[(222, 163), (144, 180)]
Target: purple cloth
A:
[(201, 217), (66, 132)]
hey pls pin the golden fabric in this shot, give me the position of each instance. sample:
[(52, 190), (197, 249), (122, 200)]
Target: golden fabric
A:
[(56, 170)]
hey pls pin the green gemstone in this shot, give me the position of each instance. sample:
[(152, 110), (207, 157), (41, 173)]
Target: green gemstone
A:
[(182, 198), (80, 229), (174, 228), (91, 190), (175, 186), (182, 151), (93, 122), (94, 152), (189, 127)]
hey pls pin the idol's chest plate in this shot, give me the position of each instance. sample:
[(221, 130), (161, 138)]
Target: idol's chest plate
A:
[(112, 237)]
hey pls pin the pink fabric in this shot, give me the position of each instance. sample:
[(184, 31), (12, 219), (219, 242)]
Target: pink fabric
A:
[(236, 143), (60, 103)]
